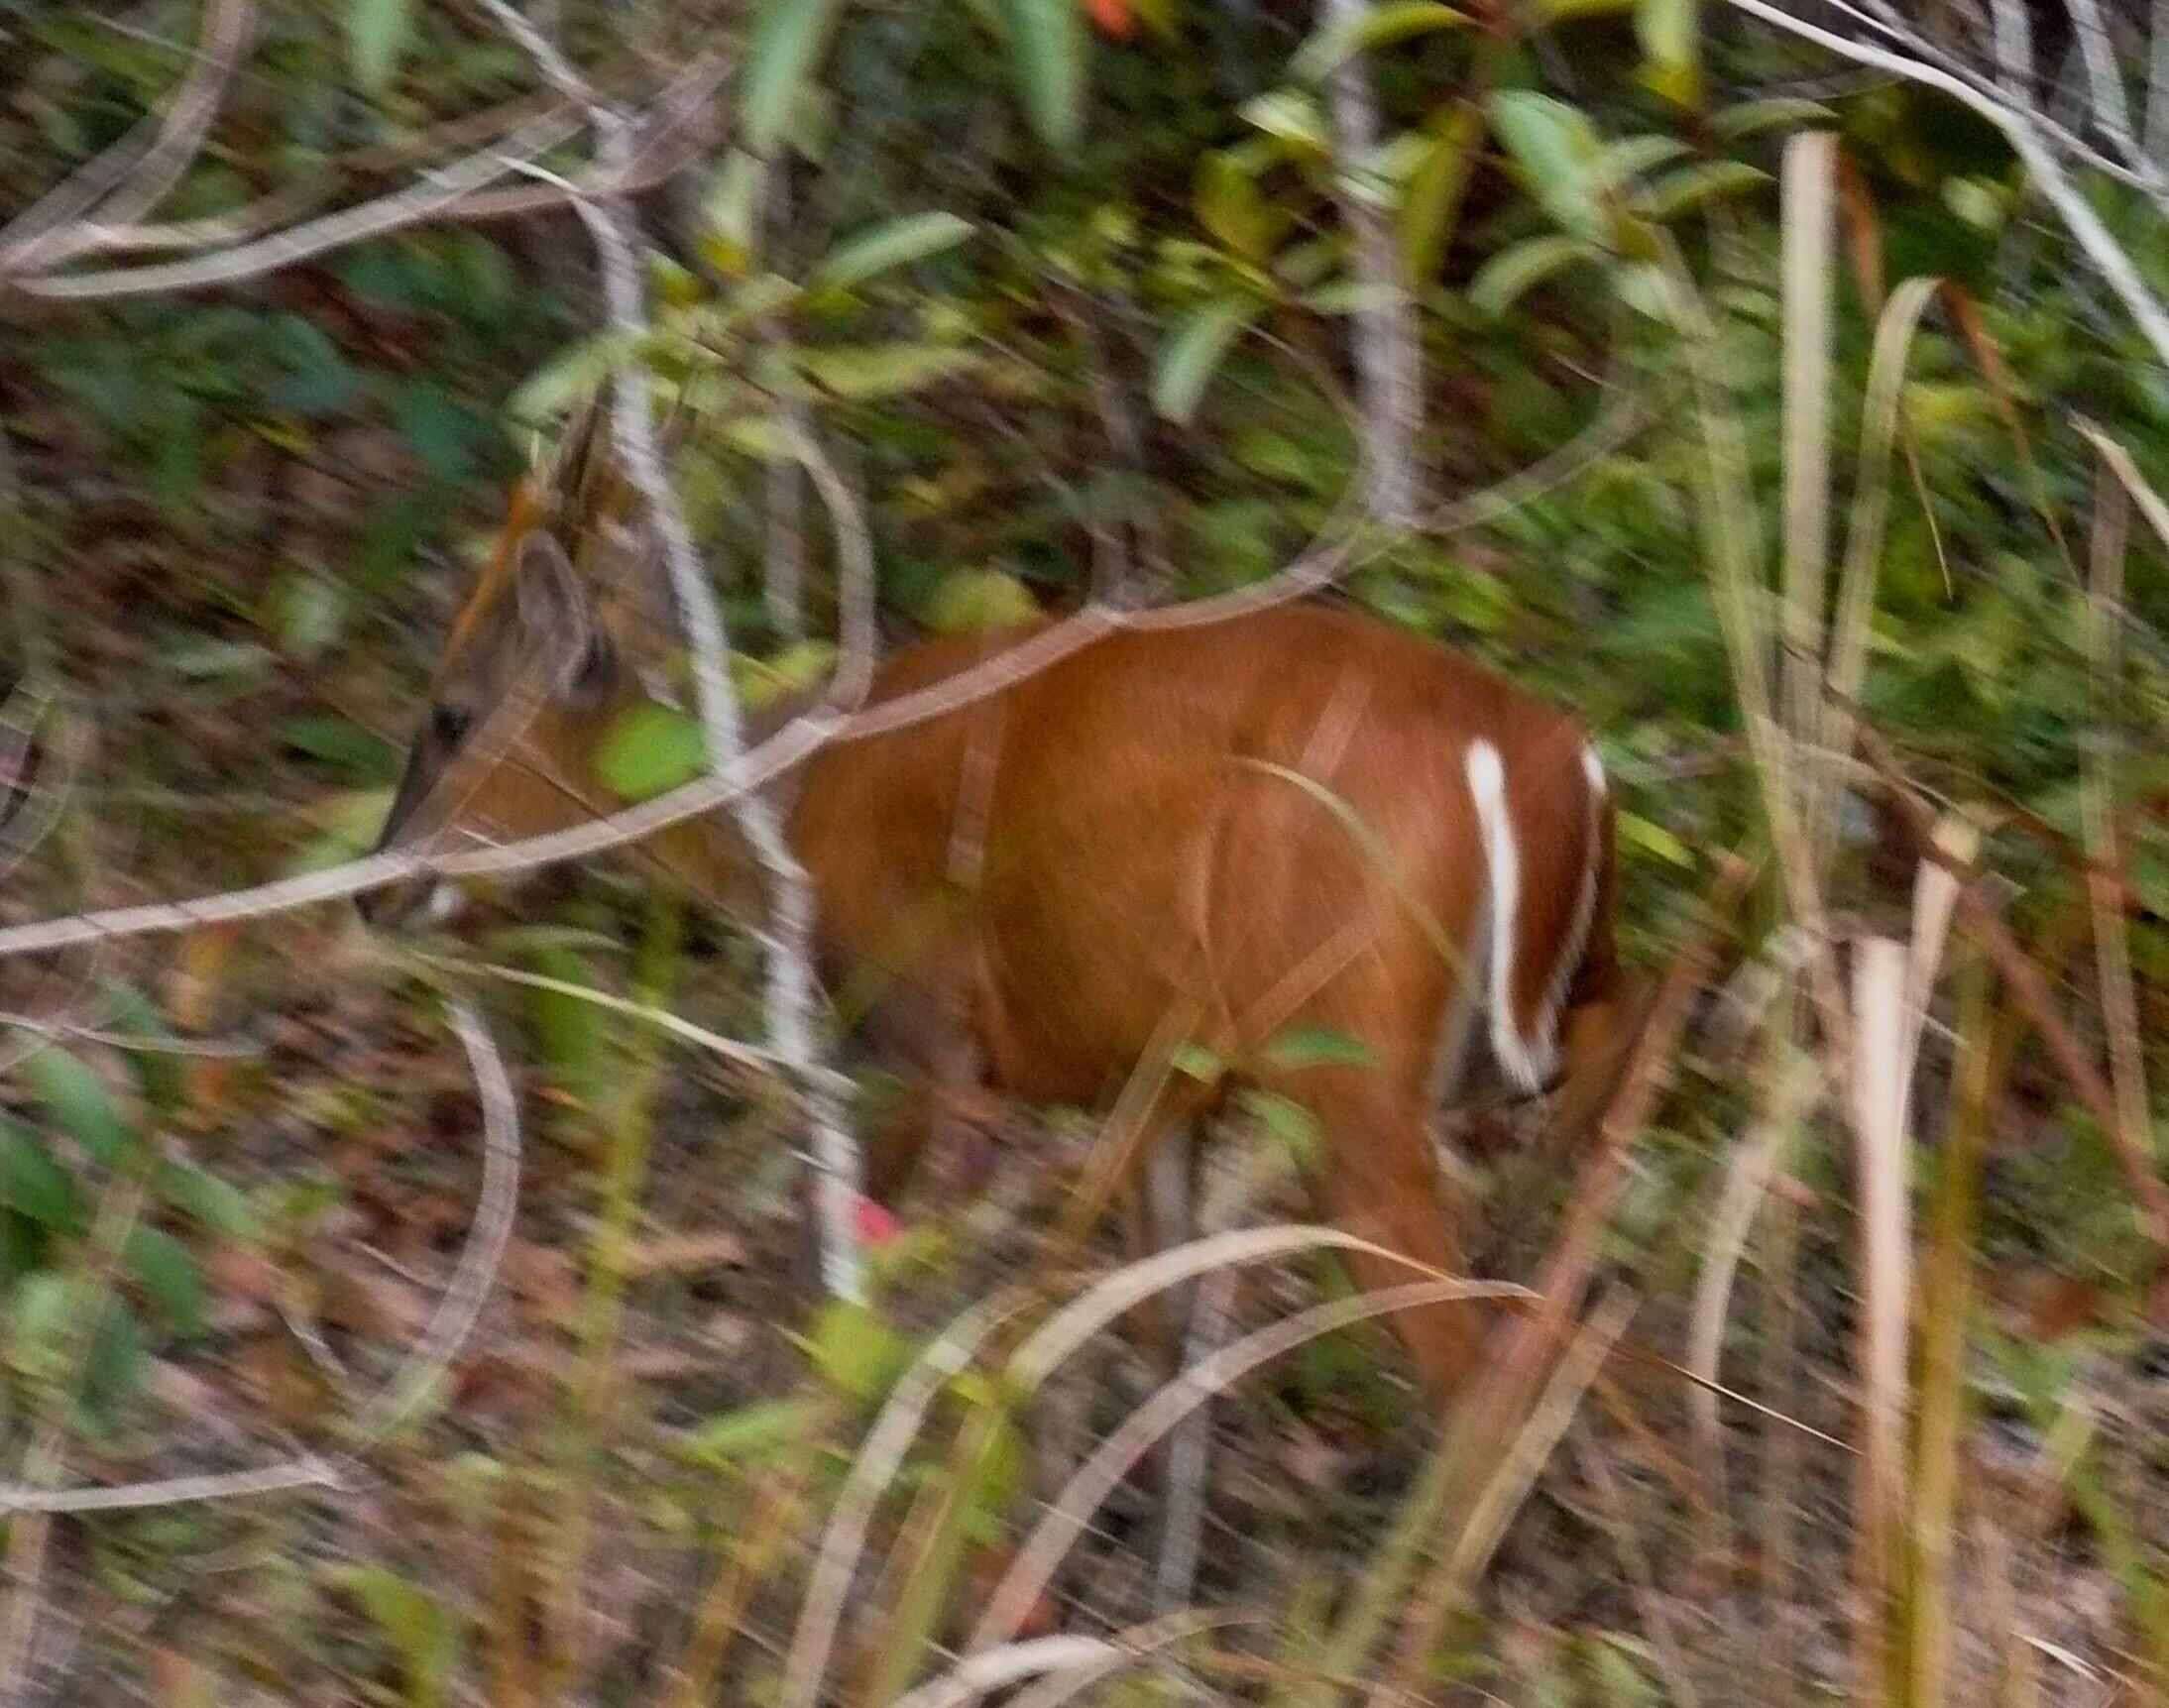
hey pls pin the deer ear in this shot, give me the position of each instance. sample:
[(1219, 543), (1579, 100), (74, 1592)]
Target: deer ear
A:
[(554, 617)]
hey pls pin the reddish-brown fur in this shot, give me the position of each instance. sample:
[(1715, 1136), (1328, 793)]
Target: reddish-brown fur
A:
[(1037, 889)]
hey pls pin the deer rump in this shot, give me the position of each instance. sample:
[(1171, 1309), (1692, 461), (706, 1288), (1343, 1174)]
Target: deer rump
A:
[(1300, 818)]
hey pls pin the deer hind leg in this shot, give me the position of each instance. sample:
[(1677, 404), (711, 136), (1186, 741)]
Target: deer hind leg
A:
[(1380, 1180)]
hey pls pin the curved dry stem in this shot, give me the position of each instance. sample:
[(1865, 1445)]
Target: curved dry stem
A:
[(1043, 1552)]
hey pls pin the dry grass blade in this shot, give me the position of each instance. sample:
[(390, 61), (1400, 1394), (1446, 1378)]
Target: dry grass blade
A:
[(1878, 1103), (1946, 1312), (1059, 1337), (1850, 622), (2097, 797), (1035, 1563), (1793, 1088), (1013, 1662), (1808, 182)]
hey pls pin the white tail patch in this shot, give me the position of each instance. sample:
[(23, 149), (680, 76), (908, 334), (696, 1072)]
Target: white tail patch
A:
[(1502, 860), (1529, 1059)]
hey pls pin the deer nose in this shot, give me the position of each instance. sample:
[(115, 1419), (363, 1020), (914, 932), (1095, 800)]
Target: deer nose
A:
[(392, 904)]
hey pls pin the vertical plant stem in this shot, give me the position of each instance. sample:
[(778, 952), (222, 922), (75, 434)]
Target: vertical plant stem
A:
[(1389, 353), (1946, 1311), (624, 1175), (1879, 1120)]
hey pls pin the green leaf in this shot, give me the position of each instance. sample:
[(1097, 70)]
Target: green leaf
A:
[(1352, 296), (1194, 352), (306, 613), (1203, 1065), (1317, 1047), (1689, 187), (1229, 206), (377, 36), (967, 601), (413, 1622), (1512, 273), (157, 1071), (77, 1102), (754, 1432), (728, 236), (1047, 49), (35, 1186), (1749, 118), (1291, 117), (649, 749), (856, 1353), (169, 1275), (1627, 159), (1431, 207), (1378, 27), (893, 243), (362, 755), (788, 37), (1559, 155), (1287, 1121), (569, 1029), (1653, 839), (216, 1205), (881, 370), (1670, 35)]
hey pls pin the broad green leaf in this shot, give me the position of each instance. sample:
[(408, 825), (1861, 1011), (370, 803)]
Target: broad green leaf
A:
[(1558, 152), (1048, 47), (1317, 1047), (1689, 187), (569, 1031), (857, 1352), (1291, 117), (1431, 207), (349, 824), (649, 749), (974, 600), (893, 243), (363, 756), (568, 378), (1352, 296), (157, 1071), (413, 1622), (1629, 158), (217, 1205), (166, 1273), (788, 38), (1653, 839), (378, 33), (73, 1096), (881, 370), (34, 1185), (754, 1432), (1671, 35), (1378, 27), (1512, 273), (1203, 1065), (306, 613), (1193, 351), (1749, 118), (1229, 206), (728, 238), (1287, 1121)]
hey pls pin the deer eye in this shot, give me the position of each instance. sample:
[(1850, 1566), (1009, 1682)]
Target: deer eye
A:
[(451, 723)]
